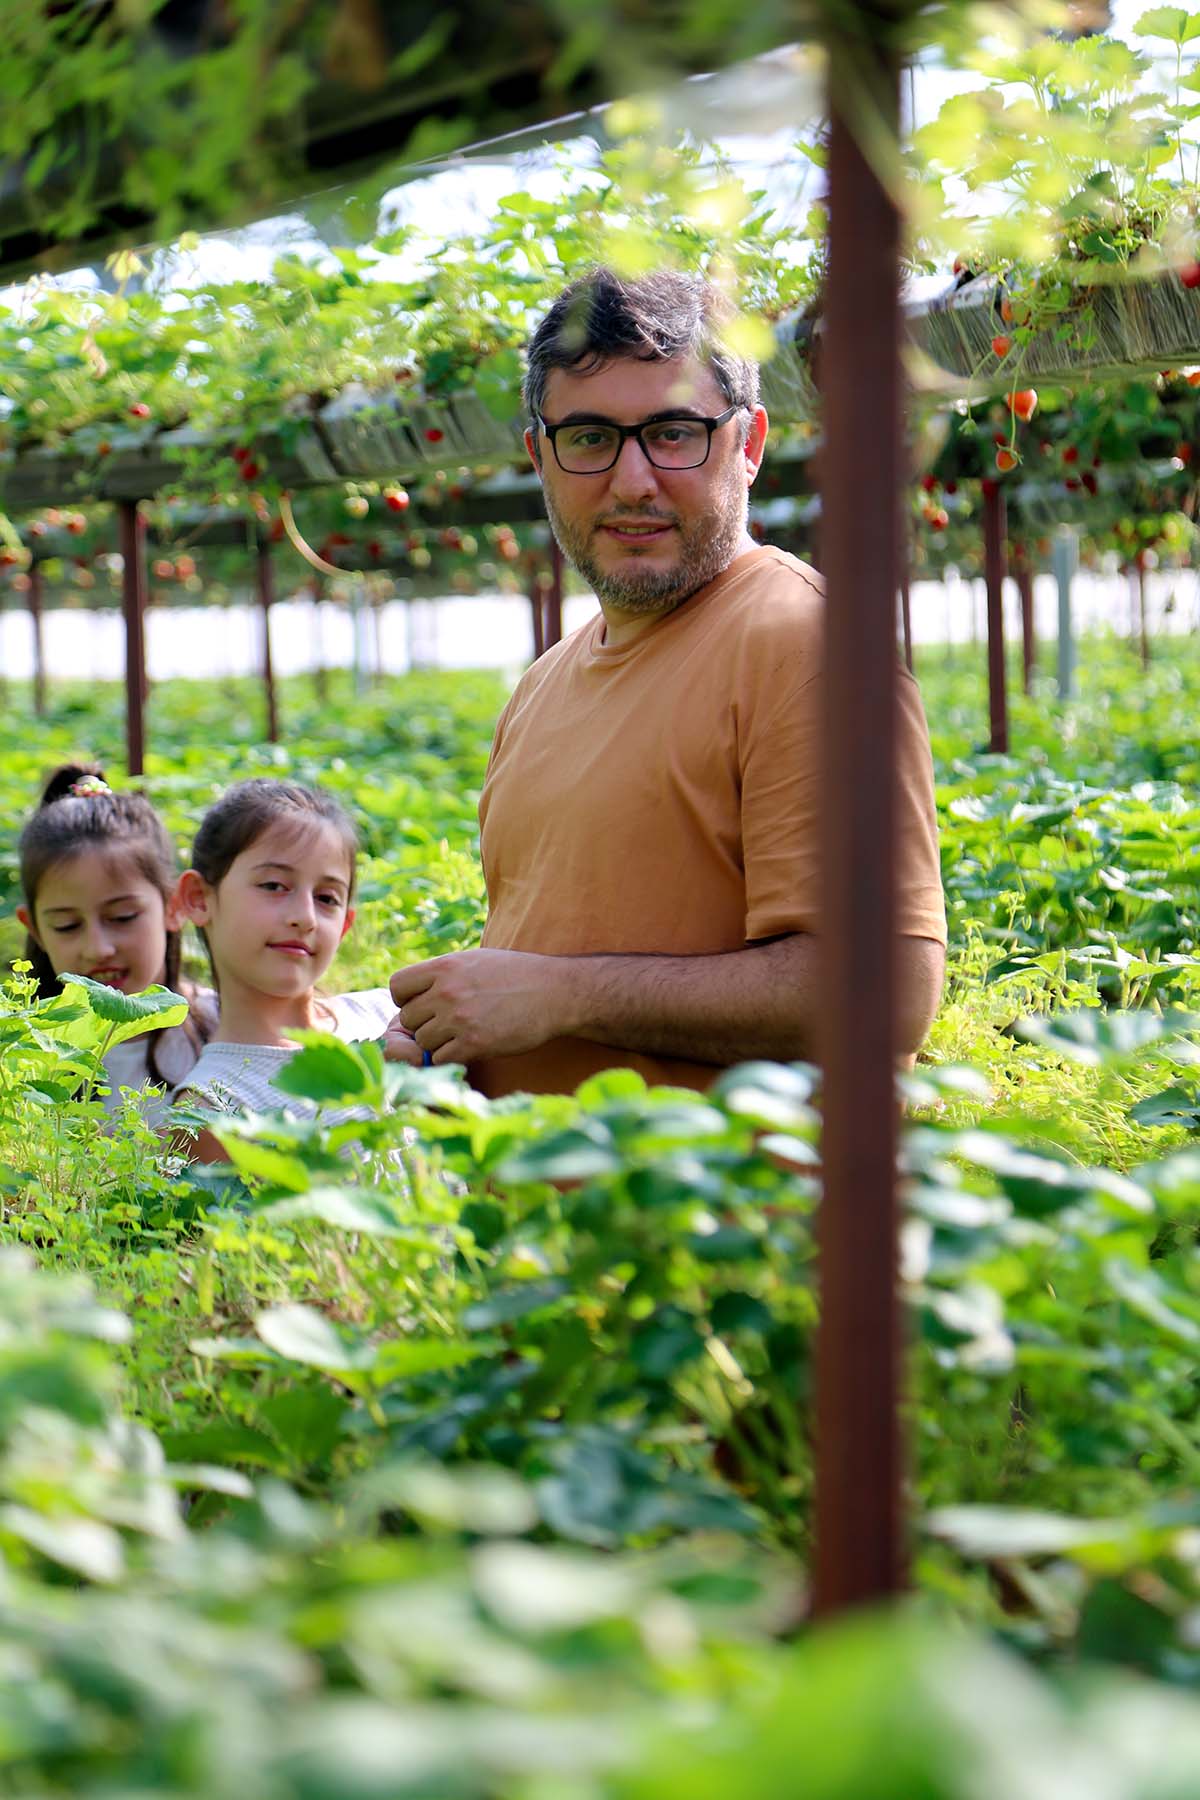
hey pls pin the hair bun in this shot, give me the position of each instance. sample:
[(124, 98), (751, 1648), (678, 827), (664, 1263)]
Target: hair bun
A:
[(62, 783)]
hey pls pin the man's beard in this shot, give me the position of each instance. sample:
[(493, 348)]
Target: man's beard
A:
[(708, 544)]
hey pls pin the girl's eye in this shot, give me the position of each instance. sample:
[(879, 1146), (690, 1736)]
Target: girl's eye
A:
[(62, 930), (329, 899), (124, 918), (271, 887)]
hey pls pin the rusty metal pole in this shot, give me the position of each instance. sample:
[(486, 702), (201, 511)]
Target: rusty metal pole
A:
[(39, 645), (536, 609), (906, 618), (132, 528), (859, 1552), (553, 598), (266, 595), (320, 674), (1024, 577), (993, 557)]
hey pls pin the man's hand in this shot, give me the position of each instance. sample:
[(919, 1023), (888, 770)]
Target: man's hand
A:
[(399, 1044), (477, 1003)]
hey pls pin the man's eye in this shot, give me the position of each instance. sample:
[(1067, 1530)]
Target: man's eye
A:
[(589, 438)]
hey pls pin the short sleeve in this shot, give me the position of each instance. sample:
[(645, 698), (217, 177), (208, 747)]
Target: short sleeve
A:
[(782, 790)]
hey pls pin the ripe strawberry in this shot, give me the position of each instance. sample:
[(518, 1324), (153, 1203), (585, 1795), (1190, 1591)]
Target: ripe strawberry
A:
[(396, 498), (164, 569), (1006, 310), (250, 471), (1023, 403), (1072, 485), (1070, 454), (76, 524), (1001, 345), (1193, 379), (1089, 481), (434, 434), (951, 487), (940, 519), (1189, 275), (929, 483), (1006, 459), (139, 410)]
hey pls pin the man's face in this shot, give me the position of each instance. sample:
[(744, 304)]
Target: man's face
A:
[(645, 538)]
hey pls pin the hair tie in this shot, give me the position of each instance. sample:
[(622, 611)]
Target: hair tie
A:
[(89, 784)]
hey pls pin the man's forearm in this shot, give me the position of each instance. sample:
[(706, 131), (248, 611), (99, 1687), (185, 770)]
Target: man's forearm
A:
[(763, 1001), (731, 1007)]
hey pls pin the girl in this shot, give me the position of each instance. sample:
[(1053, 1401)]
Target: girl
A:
[(270, 889), (98, 872)]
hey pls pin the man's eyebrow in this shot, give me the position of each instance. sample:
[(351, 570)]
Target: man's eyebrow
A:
[(668, 412)]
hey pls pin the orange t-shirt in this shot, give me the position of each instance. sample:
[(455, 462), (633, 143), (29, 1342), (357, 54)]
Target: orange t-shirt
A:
[(660, 797)]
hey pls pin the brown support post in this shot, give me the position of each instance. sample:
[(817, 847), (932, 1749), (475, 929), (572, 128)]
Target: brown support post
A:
[(320, 675), (133, 604), (539, 621), (1024, 575), (39, 647), (859, 1552), (993, 555), (906, 618), (266, 595), (552, 599)]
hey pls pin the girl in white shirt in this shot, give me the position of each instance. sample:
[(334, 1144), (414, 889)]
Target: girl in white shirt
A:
[(98, 871), (271, 889)]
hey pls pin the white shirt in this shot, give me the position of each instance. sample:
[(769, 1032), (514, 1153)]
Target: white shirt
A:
[(240, 1077), (127, 1064)]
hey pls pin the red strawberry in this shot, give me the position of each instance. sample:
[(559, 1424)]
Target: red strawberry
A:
[(434, 434), (1070, 454), (1023, 403), (1001, 345), (1190, 275), (139, 410)]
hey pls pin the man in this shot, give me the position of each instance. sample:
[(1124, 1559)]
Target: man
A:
[(650, 814)]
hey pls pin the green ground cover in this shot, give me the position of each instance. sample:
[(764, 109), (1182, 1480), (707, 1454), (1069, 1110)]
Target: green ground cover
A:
[(469, 1446)]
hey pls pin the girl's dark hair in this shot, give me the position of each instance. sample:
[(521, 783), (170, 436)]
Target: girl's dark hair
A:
[(249, 808), (68, 822)]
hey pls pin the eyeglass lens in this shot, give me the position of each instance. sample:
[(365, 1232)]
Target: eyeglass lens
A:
[(669, 443)]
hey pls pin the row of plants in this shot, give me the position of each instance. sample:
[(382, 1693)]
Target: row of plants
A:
[(491, 1420)]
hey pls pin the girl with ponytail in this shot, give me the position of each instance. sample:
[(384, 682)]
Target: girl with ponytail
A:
[(98, 871)]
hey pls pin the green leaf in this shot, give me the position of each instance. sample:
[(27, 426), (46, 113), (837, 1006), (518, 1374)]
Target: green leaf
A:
[(1173, 1106), (1150, 1296), (507, 1304), (984, 1532), (570, 1155), (303, 1335), (127, 1015), (262, 1162), (351, 1210), (324, 1070), (1169, 22)]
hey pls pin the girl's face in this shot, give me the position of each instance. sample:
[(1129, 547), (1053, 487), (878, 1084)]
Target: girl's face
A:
[(275, 919), (96, 914)]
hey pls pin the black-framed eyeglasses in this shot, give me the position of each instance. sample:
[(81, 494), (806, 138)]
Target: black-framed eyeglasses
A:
[(592, 446)]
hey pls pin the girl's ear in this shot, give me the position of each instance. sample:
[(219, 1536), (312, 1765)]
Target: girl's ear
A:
[(347, 922), (189, 901), (26, 918)]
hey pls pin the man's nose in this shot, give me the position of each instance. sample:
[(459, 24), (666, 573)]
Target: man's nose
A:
[(634, 477)]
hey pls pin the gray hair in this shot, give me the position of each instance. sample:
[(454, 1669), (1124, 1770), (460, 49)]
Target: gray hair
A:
[(654, 318)]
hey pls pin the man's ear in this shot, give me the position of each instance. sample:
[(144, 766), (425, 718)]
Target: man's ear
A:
[(191, 900), (347, 922), (756, 442), (26, 918), (531, 446)]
